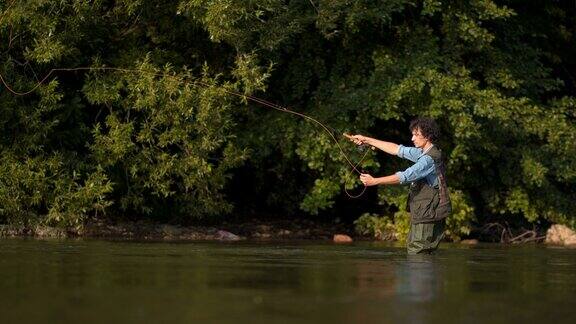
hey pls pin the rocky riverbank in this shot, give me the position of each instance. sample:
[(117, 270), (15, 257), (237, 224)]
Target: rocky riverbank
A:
[(256, 230), (251, 230)]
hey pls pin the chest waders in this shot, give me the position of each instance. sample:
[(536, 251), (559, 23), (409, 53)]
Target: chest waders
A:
[(428, 206)]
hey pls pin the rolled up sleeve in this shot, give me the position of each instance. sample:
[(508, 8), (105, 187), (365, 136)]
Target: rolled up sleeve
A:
[(401, 177), (422, 168)]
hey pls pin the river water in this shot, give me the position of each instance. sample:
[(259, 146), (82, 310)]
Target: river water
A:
[(90, 281)]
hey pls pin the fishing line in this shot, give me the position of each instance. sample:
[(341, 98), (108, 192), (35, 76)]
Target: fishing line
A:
[(263, 102)]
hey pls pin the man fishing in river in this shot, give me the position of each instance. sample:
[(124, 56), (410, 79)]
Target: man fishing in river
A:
[(428, 199)]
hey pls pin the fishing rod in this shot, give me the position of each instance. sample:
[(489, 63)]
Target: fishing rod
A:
[(331, 131)]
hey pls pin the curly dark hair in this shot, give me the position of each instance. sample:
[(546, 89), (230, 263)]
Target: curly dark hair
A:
[(428, 128)]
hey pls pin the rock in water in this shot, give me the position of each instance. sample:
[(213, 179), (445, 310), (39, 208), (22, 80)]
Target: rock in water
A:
[(226, 236), (342, 238), (561, 235)]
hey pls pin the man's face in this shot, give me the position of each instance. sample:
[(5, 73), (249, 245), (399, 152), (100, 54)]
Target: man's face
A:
[(417, 138)]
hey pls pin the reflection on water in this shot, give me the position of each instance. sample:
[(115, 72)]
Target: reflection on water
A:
[(418, 279), (131, 282)]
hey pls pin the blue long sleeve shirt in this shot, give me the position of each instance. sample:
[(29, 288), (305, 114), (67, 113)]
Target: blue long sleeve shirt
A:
[(423, 166)]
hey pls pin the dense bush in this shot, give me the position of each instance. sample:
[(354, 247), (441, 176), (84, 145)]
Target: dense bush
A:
[(171, 139)]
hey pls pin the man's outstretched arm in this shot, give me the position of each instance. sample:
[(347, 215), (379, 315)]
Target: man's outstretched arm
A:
[(388, 147)]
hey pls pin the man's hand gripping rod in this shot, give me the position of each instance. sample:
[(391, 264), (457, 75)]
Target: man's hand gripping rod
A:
[(358, 140)]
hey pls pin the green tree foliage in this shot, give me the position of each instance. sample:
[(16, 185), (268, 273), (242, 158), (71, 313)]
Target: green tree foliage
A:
[(146, 139), (166, 138)]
